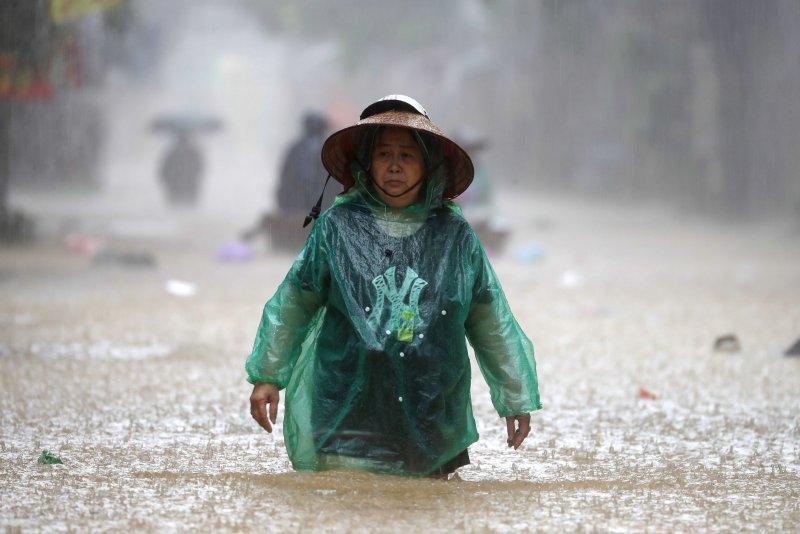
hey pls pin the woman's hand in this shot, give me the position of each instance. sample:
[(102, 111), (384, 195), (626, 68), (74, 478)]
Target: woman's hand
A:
[(264, 394), (519, 426)]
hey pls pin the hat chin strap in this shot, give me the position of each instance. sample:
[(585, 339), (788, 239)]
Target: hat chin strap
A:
[(314, 214), (396, 195), (408, 189), (315, 211)]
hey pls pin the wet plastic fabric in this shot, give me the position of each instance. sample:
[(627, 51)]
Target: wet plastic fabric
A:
[(368, 332), (48, 458)]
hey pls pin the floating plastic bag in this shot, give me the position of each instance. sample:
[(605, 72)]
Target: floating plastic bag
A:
[(48, 458)]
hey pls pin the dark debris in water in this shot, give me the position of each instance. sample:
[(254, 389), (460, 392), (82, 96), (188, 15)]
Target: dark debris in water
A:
[(727, 343)]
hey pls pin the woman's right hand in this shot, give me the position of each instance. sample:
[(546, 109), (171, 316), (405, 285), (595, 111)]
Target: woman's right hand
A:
[(264, 394)]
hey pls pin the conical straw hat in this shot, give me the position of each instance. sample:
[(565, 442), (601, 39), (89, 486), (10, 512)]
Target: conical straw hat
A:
[(401, 111)]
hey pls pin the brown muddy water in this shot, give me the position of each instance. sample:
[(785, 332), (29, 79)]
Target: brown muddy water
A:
[(140, 390)]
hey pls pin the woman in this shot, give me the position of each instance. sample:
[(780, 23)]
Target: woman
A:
[(368, 330)]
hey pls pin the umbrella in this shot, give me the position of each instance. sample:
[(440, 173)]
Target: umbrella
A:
[(185, 124)]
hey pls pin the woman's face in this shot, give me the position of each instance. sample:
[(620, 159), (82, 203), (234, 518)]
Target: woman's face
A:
[(397, 165)]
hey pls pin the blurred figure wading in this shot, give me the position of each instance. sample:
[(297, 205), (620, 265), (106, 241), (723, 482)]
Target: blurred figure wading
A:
[(182, 171), (301, 180)]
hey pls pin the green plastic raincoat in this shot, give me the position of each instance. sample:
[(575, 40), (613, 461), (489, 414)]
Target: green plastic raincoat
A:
[(368, 333)]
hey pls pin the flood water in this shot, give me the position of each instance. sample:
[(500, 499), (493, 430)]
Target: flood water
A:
[(141, 391)]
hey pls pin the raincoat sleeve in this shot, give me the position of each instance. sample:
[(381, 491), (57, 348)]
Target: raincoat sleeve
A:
[(503, 351), (289, 315)]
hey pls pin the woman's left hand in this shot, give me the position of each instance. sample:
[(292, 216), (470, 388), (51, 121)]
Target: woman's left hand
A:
[(519, 426)]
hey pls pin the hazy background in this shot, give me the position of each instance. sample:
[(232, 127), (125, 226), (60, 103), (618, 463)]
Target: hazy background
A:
[(644, 152), (688, 103)]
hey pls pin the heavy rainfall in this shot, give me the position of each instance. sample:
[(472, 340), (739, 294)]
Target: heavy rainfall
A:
[(639, 199)]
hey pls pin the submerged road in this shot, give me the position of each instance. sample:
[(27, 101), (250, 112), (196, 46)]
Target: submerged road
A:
[(137, 384)]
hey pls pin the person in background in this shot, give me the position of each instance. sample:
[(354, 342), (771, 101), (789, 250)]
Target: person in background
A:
[(181, 171), (302, 174), (368, 331), (300, 182), (478, 202)]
